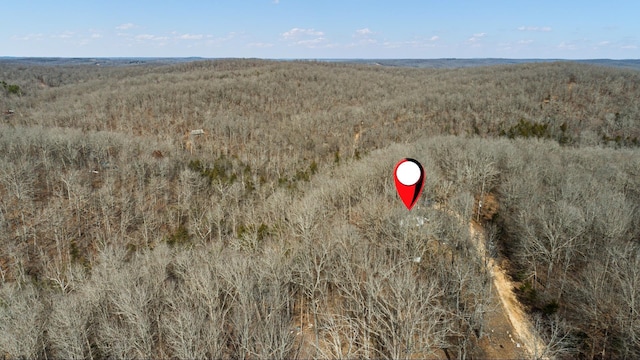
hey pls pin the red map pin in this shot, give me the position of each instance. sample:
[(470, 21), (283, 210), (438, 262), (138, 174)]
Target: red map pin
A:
[(409, 177)]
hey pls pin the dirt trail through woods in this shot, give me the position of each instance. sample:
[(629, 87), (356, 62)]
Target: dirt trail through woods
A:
[(512, 307), (522, 327)]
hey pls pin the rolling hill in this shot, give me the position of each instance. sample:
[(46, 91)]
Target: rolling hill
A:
[(276, 231)]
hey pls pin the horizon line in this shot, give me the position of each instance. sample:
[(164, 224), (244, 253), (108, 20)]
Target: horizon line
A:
[(302, 58)]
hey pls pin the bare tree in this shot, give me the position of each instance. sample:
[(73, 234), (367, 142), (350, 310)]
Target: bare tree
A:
[(552, 235), (69, 330), (193, 325), (558, 338), (259, 314), (310, 273), (21, 321), (626, 272)]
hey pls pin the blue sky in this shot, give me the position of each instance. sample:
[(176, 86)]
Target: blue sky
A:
[(322, 28)]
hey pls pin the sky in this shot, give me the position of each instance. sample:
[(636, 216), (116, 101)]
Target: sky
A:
[(322, 29)]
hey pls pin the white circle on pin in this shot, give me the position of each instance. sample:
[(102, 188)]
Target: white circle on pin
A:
[(408, 173)]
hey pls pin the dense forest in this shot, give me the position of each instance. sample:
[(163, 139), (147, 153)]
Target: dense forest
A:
[(276, 231)]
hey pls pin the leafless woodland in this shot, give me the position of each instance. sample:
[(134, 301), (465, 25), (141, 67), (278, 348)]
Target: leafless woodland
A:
[(277, 232)]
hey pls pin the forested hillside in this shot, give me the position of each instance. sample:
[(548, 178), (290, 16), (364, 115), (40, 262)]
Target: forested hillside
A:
[(277, 233)]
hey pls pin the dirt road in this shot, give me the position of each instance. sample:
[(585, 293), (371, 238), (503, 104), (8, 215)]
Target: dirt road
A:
[(524, 332), (521, 325)]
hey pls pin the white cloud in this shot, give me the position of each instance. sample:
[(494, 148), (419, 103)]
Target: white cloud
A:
[(415, 43), (211, 40), (363, 37), (364, 32), (310, 38), (525, 42), (629, 47), (311, 42), (391, 44), (567, 46), (64, 35), (126, 26), (604, 43), (191, 36), (298, 32), (260, 45), (150, 37), (171, 37), (535, 28), (28, 37), (477, 37)]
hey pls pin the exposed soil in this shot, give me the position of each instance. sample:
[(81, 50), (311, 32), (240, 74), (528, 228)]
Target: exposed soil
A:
[(522, 337), (510, 333)]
